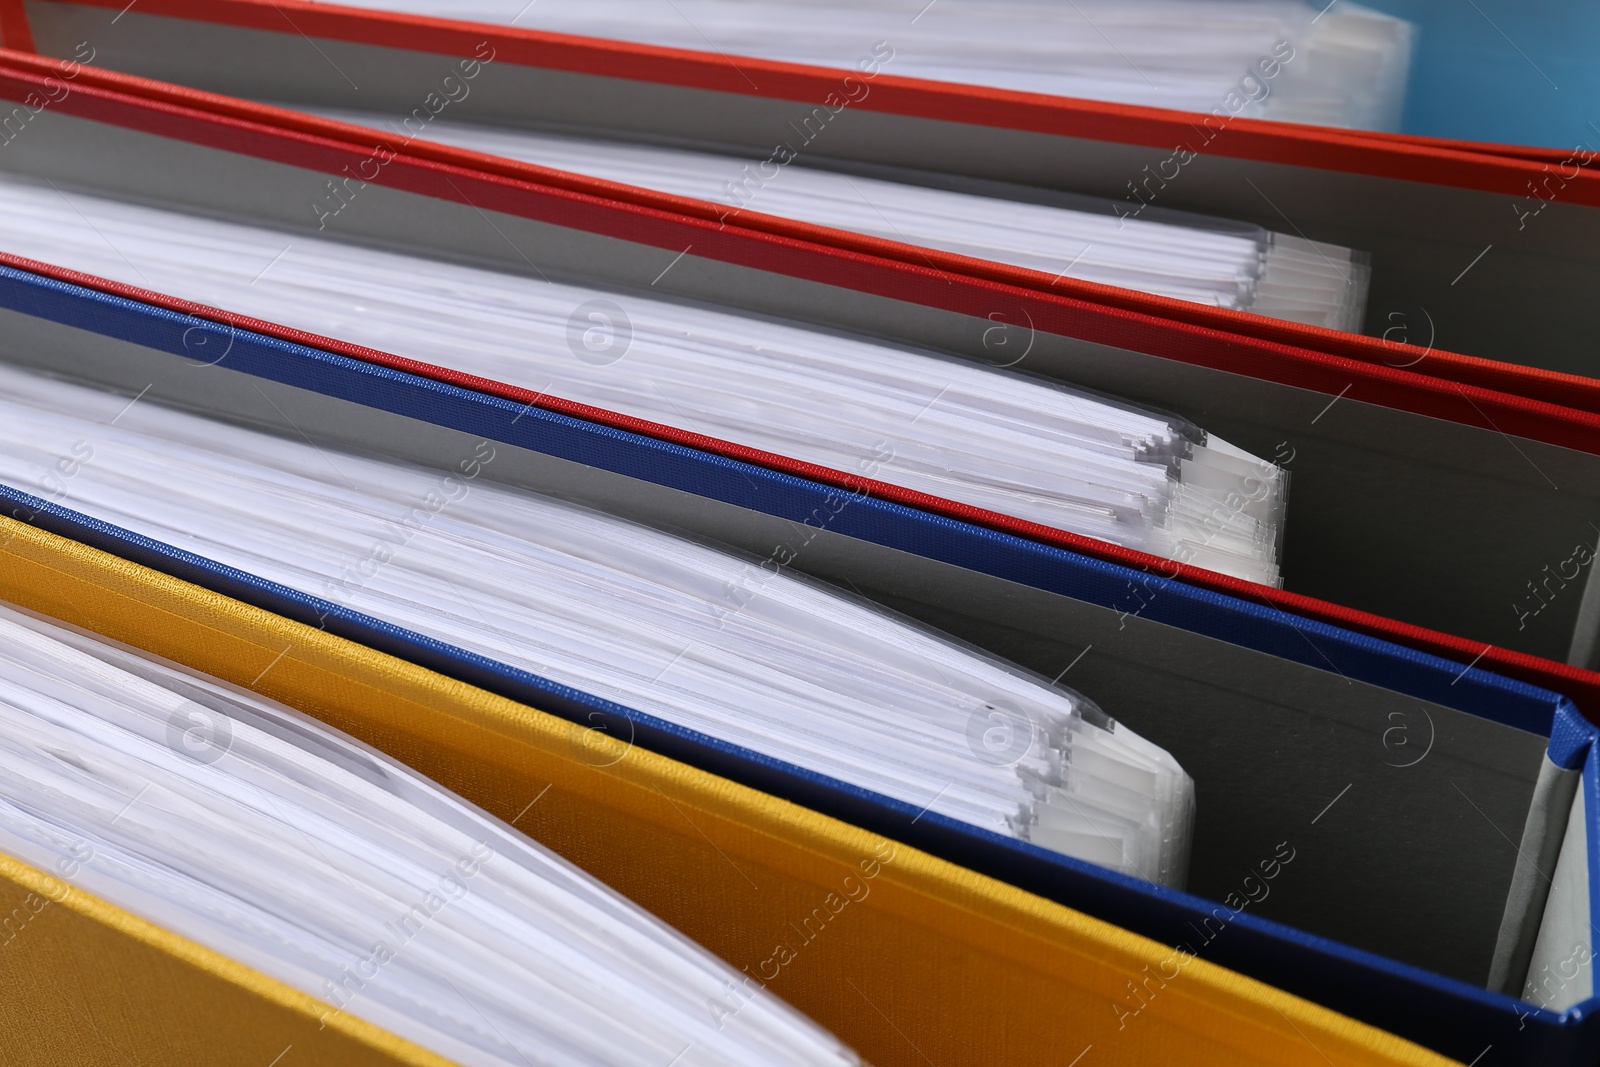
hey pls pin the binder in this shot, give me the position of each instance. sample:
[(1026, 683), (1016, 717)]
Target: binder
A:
[(1190, 663), (294, 850), (684, 634), (1460, 463), (1561, 757), (1457, 236), (1194, 258), (664, 833)]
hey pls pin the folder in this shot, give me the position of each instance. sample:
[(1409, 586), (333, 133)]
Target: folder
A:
[(682, 633), (1543, 814), (256, 832), (1329, 708), (669, 836), (1473, 254), (1197, 259), (1460, 465)]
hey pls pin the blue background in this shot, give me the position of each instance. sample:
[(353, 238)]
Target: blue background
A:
[(1470, 81)]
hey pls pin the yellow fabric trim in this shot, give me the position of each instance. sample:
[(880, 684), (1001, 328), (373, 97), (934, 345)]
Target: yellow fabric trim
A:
[(910, 959), (88, 984)]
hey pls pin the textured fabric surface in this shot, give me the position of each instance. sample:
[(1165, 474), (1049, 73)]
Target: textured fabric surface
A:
[(909, 959), (88, 984)]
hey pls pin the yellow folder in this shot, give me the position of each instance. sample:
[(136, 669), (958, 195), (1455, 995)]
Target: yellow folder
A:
[(912, 960)]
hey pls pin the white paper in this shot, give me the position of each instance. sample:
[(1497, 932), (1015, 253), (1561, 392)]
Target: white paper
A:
[(1347, 65), (736, 648), (259, 833), (1210, 262), (955, 429)]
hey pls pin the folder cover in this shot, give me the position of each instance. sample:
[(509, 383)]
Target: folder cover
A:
[(667, 835)]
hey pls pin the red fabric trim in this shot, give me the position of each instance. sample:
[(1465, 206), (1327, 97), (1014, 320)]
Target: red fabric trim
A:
[(1580, 685), (14, 30), (1536, 153), (1321, 148), (1149, 329)]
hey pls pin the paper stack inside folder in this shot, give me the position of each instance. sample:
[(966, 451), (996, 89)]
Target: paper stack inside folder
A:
[(738, 649), (1193, 258), (1339, 65), (263, 835), (954, 429)]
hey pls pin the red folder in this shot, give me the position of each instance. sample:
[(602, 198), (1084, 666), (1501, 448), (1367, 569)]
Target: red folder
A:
[(1477, 251)]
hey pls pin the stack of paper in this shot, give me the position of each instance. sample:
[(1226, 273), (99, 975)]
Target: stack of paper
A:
[(954, 429), (263, 835), (734, 648), (1193, 258), (1339, 65)]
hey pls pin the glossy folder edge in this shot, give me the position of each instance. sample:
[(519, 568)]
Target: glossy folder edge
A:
[(1352, 978)]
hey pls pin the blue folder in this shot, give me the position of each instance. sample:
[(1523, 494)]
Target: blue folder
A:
[(1500, 71)]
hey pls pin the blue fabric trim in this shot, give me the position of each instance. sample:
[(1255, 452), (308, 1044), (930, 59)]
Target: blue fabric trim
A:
[(1445, 1014), (1571, 737), (1591, 788)]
